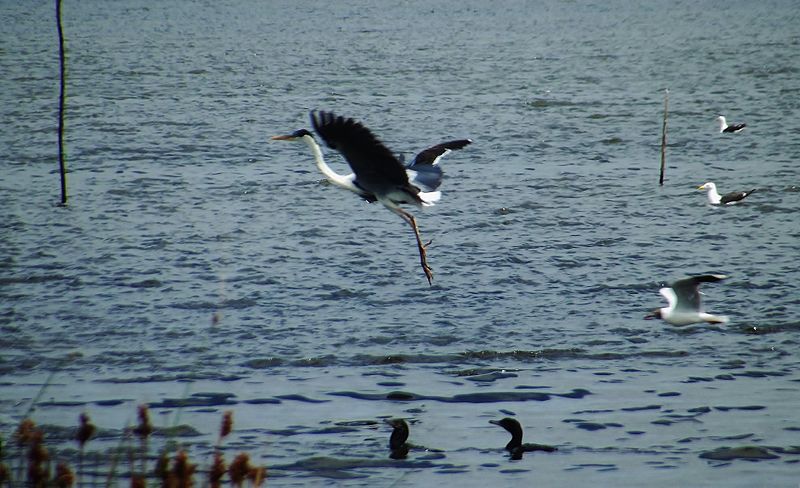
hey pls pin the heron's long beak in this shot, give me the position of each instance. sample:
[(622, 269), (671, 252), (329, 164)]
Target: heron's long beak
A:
[(701, 187), (283, 138)]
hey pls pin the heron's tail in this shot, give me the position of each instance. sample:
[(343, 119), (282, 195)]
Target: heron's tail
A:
[(428, 198)]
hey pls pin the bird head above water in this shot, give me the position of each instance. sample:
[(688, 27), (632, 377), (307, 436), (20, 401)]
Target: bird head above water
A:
[(707, 186), (514, 428), (294, 136), (713, 196), (397, 442), (399, 433)]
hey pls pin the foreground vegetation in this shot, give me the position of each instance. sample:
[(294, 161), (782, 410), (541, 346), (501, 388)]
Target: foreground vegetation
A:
[(32, 464)]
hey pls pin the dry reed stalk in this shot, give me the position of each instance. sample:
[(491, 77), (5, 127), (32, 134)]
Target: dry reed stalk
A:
[(115, 458), (64, 476), (226, 427), (143, 431), (217, 471), (182, 471), (23, 436), (161, 469), (5, 475), (85, 432), (38, 461), (138, 481), (239, 468), (257, 475)]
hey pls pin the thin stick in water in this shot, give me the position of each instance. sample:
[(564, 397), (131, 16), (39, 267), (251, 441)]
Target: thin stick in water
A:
[(61, 98), (664, 139)]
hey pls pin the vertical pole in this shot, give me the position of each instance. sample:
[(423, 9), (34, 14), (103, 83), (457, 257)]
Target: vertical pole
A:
[(61, 97), (664, 139)]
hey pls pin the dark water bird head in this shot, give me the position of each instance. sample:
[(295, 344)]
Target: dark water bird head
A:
[(514, 428), (399, 433), (296, 135), (397, 441)]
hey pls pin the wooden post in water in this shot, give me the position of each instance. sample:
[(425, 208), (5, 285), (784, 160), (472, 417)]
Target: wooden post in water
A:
[(664, 139), (61, 97)]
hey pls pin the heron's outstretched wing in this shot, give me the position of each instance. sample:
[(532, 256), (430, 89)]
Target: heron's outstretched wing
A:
[(687, 291), (433, 154), (376, 168), (424, 171)]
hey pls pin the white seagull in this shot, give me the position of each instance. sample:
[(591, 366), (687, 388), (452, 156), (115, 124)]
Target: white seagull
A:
[(724, 127), (714, 198), (683, 297)]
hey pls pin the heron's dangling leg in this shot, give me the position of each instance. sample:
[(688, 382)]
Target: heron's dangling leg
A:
[(423, 259)]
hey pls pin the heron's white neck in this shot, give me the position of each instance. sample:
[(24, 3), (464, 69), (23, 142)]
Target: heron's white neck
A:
[(713, 196), (344, 181)]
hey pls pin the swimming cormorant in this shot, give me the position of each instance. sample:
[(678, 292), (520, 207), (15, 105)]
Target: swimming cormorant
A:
[(397, 442), (515, 446)]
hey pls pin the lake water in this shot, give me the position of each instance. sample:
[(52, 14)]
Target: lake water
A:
[(198, 259)]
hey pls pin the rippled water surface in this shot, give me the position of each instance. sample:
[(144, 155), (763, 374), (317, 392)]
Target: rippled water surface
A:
[(199, 260)]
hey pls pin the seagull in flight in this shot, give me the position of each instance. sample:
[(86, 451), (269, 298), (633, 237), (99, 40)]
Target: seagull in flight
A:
[(683, 298)]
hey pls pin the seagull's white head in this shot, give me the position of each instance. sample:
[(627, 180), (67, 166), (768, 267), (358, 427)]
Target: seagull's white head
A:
[(707, 186)]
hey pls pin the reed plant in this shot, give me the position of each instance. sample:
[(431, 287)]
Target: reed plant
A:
[(36, 467)]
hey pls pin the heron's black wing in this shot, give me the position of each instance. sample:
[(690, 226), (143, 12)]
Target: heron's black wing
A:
[(424, 170), (734, 196), (375, 166), (431, 155), (688, 290)]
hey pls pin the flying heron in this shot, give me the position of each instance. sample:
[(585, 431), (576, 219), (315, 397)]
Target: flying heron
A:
[(378, 175)]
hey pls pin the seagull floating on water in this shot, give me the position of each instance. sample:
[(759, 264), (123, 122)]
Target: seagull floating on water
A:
[(515, 446), (715, 198), (379, 176), (724, 127), (683, 297)]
